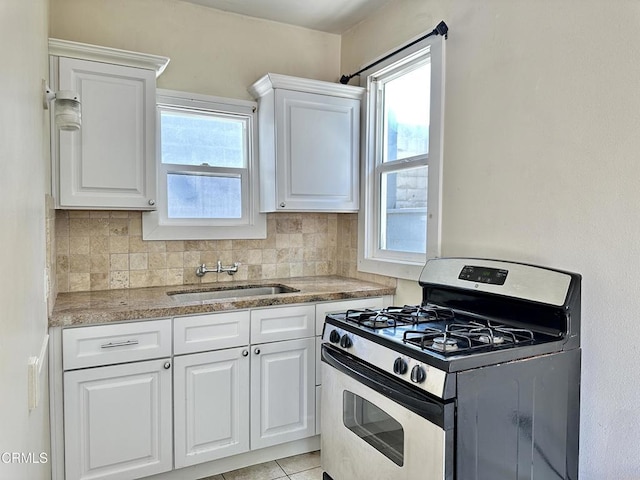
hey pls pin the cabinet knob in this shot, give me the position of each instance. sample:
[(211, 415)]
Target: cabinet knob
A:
[(152, 202), (257, 351), (282, 204), (167, 365), (245, 353)]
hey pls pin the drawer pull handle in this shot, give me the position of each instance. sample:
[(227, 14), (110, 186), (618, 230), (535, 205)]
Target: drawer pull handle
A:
[(125, 343)]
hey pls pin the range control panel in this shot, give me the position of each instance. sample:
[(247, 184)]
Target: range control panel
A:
[(492, 276)]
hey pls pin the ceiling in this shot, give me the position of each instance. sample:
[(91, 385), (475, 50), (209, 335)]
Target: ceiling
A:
[(332, 16)]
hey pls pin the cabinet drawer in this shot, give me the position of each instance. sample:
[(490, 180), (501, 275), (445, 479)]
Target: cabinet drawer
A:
[(213, 331), (323, 309), (282, 323), (109, 344)]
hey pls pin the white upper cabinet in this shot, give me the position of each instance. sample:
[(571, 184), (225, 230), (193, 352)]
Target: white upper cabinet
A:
[(110, 162), (309, 136)]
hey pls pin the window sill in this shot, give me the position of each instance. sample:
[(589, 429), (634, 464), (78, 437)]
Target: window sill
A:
[(388, 268), (153, 230)]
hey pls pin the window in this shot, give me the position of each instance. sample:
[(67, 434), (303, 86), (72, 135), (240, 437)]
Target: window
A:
[(400, 224), (207, 181)]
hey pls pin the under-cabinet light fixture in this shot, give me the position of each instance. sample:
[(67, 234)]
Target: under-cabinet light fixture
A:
[(67, 108)]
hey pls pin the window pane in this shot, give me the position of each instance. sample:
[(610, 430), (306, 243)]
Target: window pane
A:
[(403, 210), (200, 196), (374, 426), (190, 138), (406, 114)]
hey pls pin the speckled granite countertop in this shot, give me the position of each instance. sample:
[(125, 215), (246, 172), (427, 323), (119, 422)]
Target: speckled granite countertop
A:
[(89, 308)]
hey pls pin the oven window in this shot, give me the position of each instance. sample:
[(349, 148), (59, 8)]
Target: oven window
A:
[(374, 426)]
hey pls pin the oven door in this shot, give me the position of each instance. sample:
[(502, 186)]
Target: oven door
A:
[(375, 427)]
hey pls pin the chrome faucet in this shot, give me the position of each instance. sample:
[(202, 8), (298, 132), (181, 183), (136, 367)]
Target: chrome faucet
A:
[(219, 268)]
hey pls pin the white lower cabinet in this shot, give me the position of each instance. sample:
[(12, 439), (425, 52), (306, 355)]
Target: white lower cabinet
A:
[(282, 392), (211, 405), (143, 398), (231, 400), (117, 421)]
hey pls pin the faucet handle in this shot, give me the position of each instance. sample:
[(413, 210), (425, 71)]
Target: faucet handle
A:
[(232, 268), (201, 270)]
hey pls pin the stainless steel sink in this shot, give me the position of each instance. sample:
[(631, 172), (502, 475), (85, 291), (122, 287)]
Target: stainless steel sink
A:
[(218, 293)]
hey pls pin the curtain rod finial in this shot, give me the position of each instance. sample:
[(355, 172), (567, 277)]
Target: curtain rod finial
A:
[(344, 79), (441, 29)]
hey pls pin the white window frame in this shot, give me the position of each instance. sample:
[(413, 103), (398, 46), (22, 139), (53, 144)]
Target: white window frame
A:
[(157, 225), (371, 258)]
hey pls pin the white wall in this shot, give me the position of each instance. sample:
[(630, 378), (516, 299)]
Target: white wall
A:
[(23, 170), (212, 52), (541, 164)]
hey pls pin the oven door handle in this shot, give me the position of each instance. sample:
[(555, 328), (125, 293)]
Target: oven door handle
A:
[(418, 402)]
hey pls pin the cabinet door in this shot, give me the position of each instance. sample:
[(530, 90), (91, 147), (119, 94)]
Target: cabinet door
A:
[(117, 421), (282, 392), (110, 162), (211, 405), (317, 151)]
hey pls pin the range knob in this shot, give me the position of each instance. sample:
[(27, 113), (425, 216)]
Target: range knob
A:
[(334, 336), (418, 374), (399, 366), (345, 341)]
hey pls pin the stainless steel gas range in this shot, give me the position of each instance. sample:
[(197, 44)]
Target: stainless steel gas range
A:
[(479, 382)]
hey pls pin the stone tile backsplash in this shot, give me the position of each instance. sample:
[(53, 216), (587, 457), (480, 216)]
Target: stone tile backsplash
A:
[(99, 250)]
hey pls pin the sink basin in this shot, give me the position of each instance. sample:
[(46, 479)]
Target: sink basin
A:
[(230, 292)]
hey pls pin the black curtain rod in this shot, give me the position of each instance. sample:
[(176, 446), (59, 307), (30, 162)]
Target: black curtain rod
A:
[(441, 29)]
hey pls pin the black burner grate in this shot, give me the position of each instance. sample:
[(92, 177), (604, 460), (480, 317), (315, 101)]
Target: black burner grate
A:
[(463, 337), (398, 316)]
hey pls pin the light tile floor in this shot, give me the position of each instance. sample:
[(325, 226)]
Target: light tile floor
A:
[(298, 467)]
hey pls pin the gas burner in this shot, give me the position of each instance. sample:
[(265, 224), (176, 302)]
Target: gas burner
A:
[(444, 344), (435, 312), (367, 318), (485, 335), (377, 322), (515, 335), (491, 339), (475, 331)]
